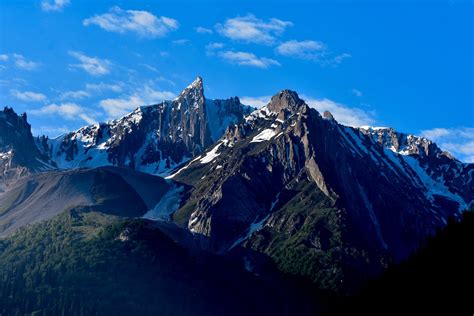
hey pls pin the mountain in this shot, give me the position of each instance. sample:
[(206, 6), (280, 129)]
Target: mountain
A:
[(152, 139), (440, 166), (19, 154), (282, 192), (41, 196), (325, 201)]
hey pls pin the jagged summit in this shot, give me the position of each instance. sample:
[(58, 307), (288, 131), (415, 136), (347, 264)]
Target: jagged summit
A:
[(195, 88), (18, 151), (285, 99), (154, 138), (328, 116)]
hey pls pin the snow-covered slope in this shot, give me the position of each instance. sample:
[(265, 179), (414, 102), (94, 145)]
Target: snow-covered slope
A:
[(436, 169), (152, 139)]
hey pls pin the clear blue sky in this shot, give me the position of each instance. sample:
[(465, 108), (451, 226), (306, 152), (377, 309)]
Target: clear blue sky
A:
[(404, 64)]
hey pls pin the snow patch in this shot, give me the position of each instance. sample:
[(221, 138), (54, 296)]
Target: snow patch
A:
[(211, 155), (168, 204), (264, 135), (254, 227)]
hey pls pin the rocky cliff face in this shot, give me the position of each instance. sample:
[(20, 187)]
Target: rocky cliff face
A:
[(323, 200), (152, 139), (18, 152), (439, 165)]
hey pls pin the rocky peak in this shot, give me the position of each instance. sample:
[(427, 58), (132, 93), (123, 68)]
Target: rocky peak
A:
[(18, 151), (194, 93), (328, 116), (285, 100)]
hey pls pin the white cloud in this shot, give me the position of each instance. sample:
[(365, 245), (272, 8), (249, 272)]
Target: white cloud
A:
[(349, 116), (252, 30), (151, 95), (248, 59), (104, 87), (142, 23), (310, 50), (435, 133), (182, 41), (92, 65), (337, 59), (357, 93), (3, 57), (214, 45), (203, 30), (257, 102), (70, 111), (51, 131), (117, 107), (303, 49), (25, 64), (78, 94), (120, 106), (28, 96), (459, 141), (54, 5)]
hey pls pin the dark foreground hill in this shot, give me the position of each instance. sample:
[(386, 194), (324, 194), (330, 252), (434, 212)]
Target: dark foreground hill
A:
[(90, 263), (438, 280)]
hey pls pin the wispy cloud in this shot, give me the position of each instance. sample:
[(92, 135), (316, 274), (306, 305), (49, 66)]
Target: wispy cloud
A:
[(310, 50), (74, 95), (356, 92), (257, 102), (104, 87), (22, 63), (302, 49), (117, 107), (92, 65), (53, 5), (182, 41), (142, 23), (51, 131), (250, 29), (459, 141), (203, 30), (350, 116), (70, 111), (28, 96), (3, 57), (213, 47), (248, 59)]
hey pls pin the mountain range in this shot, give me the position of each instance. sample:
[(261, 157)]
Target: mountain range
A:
[(280, 188)]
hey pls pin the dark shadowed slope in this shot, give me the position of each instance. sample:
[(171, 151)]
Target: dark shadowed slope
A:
[(435, 281)]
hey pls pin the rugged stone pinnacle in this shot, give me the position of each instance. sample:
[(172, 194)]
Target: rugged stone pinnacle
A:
[(195, 88), (285, 99), (328, 116), (197, 83)]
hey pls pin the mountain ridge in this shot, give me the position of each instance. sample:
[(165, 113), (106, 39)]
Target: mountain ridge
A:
[(153, 138), (326, 202)]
